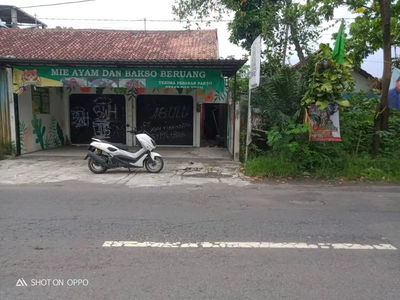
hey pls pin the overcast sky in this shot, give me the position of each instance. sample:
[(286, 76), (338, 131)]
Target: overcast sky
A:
[(153, 10)]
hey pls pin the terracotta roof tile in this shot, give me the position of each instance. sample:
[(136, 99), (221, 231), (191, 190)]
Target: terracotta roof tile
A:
[(81, 44)]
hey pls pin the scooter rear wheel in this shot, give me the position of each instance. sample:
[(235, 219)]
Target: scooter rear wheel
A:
[(95, 167), (156, 166)]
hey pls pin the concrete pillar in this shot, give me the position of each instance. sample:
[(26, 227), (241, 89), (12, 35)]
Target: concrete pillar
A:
[(197, 122), (10, 90), (236, 146), (14, 20)]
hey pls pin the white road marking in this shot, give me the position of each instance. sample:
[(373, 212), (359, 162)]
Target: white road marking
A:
[(264, 245)]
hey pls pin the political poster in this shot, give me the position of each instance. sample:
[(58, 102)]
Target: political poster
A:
[(324, 123), (393, 100)]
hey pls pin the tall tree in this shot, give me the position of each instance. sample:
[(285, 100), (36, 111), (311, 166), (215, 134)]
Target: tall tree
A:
[(365, 34), (268, 18), (383, 112), (373, 29), (377, 26)]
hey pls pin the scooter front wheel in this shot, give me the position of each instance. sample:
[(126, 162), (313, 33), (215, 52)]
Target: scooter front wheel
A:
[(155, 166), (95, 167)]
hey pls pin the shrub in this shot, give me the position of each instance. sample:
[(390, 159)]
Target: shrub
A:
[(6, 148)]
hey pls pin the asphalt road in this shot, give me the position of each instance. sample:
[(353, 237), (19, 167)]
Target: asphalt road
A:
[(57, 231)]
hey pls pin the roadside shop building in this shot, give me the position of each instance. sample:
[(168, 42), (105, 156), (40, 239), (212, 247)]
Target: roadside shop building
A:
[(63, 87)]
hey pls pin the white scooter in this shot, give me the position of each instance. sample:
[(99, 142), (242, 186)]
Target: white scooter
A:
[(104, 155)]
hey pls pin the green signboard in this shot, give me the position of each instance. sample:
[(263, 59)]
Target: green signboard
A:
[(117, 77)]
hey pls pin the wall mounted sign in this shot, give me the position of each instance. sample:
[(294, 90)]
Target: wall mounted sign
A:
[(117, 78)]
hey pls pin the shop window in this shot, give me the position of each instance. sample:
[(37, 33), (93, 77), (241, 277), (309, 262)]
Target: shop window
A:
[(40, 100)]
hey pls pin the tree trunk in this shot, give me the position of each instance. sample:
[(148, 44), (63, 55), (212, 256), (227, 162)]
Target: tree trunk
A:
[(285, 45), (297, 45), (382, 113), (288, 3), (387, 59)]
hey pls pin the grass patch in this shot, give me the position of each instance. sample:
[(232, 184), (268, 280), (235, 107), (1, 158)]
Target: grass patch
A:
[(271, 166), (349, 167), (6, 148)]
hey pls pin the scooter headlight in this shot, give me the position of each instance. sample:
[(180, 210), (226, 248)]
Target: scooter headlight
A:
[(153, 142)]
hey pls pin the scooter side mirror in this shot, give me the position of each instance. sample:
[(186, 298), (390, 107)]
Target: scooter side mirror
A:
[(127, 125)]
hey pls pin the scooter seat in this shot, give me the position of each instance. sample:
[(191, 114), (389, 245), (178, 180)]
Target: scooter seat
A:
[(118, 145)]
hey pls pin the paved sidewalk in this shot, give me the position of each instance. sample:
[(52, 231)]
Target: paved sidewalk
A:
[(177, 171), (166, 152)]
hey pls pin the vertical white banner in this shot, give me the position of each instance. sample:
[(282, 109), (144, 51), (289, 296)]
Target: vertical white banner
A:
[(255, 64), (254, 81)]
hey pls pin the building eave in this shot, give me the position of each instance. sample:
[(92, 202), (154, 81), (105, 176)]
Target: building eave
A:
[(228, 67)]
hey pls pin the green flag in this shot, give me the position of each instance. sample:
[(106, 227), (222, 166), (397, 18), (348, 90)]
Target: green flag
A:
[(338, 51)]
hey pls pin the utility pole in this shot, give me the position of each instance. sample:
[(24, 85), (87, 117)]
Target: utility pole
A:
[(145, 24)]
